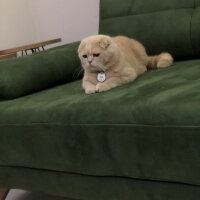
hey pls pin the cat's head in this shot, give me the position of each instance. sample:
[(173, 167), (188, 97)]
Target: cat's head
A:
[(97, 53)]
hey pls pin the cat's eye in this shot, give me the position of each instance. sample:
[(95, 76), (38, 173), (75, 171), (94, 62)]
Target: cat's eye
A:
[(84, 56), (96, 54)]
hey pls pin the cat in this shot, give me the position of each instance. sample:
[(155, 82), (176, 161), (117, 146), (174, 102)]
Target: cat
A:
[(109, 62)]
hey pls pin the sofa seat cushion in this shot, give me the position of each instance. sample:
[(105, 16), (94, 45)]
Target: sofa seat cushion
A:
[(147, 129)]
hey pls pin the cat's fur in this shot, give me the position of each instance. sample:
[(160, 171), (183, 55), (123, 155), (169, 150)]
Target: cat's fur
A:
[(121, 59)]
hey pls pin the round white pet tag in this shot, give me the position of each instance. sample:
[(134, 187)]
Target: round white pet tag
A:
[(101, 77)]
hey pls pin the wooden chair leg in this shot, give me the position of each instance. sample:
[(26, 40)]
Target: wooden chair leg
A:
[(3, 193)]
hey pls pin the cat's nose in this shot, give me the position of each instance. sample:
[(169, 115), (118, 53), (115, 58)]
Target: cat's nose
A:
[(90, 61)]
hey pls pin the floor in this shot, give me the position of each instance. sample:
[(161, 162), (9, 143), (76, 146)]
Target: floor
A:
[(25, 195)]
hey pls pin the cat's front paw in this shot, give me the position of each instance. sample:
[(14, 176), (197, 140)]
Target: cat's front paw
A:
[(90, 89), (101, 87)]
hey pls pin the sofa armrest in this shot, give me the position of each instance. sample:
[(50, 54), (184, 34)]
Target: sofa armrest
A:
[(28, 74)]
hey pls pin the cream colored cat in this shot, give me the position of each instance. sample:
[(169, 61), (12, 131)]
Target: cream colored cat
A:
[(112, 61)]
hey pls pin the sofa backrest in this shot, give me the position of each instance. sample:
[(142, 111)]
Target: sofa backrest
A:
[(172, 25)]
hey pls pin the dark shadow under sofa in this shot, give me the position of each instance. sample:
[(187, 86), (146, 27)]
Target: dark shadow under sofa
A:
[(140, 141)]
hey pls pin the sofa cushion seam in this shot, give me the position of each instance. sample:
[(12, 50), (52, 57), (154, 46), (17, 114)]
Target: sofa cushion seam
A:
[(145, 13), (123, 124), (191, 44), (148, 178)]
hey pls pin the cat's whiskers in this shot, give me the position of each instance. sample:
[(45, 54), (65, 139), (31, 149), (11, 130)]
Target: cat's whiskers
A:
[(101, 67), (77, 72)]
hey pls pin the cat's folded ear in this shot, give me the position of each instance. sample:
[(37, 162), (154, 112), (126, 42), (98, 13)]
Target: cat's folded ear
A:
[(105, 42), (81, 46)]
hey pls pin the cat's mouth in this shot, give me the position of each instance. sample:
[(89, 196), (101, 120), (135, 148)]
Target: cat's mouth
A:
[(91, 66), (95, 68)]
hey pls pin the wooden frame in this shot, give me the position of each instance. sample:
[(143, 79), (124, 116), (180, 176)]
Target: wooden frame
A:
[(10, 55), (32, 47), (3, 193)]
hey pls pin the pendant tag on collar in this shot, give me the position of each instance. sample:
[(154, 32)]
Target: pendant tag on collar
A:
[(101, 77)]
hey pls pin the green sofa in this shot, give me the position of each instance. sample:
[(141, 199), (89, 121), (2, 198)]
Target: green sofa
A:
[(140, 141)]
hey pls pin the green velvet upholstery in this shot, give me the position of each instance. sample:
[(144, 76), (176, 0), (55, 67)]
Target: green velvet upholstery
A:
[(79, 186), (153, 123), (138, 141), (36, 72), (171, 25)]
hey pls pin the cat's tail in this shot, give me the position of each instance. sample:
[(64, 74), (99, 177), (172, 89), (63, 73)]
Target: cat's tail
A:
[(160, 61)]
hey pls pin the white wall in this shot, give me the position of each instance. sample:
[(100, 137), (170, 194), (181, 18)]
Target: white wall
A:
[(28, 21), (15, 28)]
